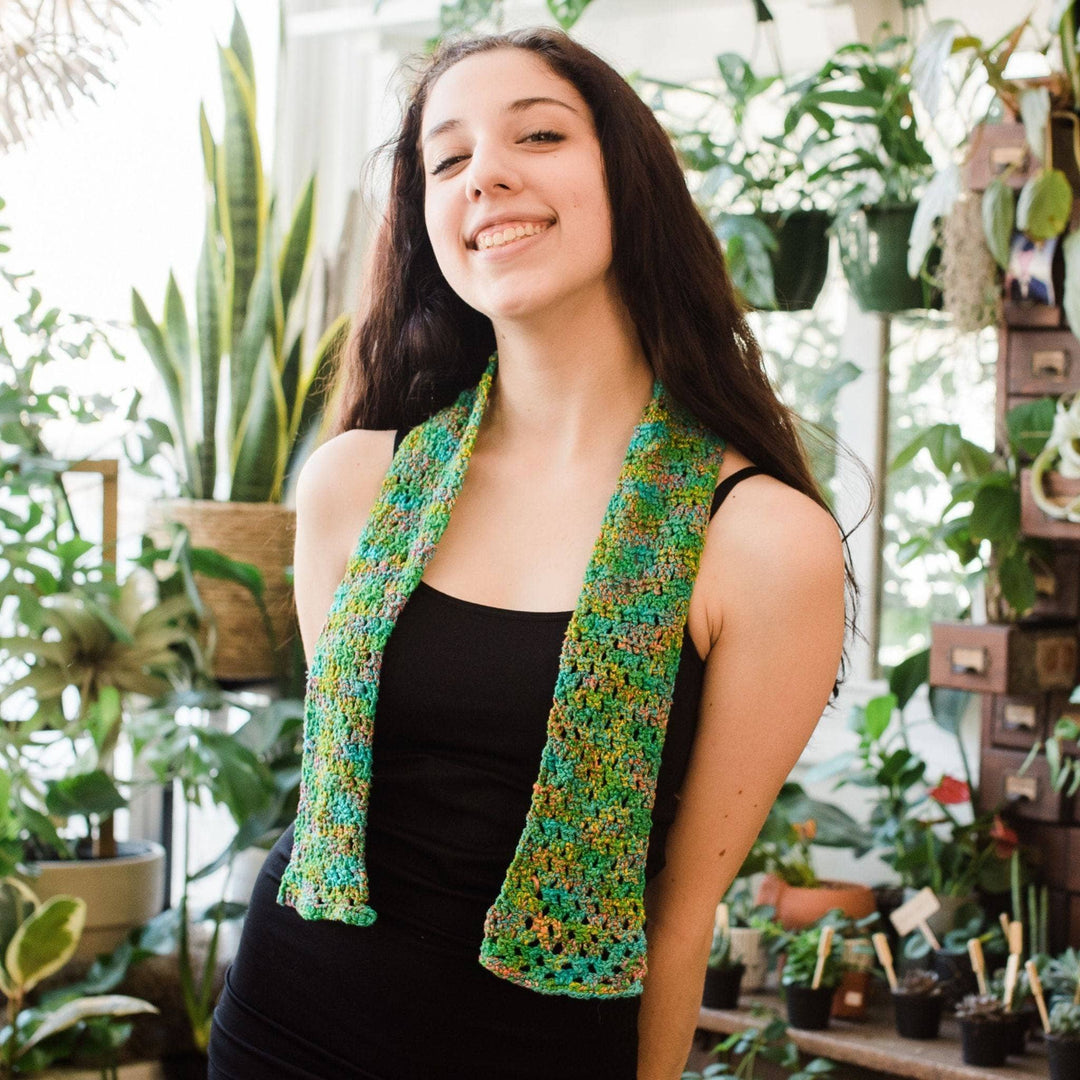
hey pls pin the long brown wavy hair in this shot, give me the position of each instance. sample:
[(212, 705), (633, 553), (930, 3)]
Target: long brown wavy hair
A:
[(415, 344)]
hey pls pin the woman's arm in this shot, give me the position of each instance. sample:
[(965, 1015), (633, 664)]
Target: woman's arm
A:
[(774, 578), (335, 492)]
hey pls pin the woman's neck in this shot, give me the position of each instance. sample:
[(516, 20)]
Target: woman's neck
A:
[(569, 385)]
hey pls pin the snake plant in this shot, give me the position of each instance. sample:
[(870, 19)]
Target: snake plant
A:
[(251, 347)]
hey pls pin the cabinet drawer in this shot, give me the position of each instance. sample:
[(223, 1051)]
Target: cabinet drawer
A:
[(1041, 362), (993, 148), (1002, 659), (1034, 522), (1028, 796), (1017, 721)]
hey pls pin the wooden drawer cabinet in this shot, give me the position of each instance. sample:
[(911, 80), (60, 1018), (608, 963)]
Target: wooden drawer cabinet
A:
[(1058, 593), (1002, 658), (1042, 362), (993, 148), (1028, 796)]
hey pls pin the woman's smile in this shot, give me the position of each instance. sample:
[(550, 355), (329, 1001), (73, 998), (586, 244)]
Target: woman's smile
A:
[(506, 234)]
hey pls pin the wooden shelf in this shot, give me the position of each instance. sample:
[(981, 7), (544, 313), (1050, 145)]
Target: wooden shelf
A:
[(874, 1044)]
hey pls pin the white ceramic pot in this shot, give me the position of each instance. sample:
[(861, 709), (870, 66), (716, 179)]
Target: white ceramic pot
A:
[(120, 893), (748, 947)]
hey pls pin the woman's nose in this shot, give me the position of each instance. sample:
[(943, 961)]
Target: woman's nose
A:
[(490, 171)]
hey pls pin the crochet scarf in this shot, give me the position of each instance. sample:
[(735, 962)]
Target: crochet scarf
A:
[(569, 918)]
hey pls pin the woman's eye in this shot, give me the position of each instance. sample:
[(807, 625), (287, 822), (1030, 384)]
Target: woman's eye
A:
[(545, 136), (446, 163)]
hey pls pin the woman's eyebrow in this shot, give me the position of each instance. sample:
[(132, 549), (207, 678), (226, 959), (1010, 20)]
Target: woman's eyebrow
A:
[(514, 107)]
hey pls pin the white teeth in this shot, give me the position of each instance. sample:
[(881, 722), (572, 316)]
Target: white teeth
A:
[(508, 235)]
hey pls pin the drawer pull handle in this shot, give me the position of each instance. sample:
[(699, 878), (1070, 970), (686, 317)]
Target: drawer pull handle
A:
[(1019, 788), (968, 660), (1050, 363), (1019, 716)]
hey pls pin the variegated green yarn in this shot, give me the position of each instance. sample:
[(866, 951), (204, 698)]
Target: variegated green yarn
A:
[(569, 918)]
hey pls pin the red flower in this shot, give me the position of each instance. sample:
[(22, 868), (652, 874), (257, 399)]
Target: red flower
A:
[(1005, 840), (951, 791)]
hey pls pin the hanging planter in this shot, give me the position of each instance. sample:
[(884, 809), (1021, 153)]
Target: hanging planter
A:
[(874, 253), (800, 262)]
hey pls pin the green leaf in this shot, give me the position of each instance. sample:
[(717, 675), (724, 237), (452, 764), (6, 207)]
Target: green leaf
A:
[(948, 707), (1017, 582), (998, 218), (567, 12), (1070, 300), (209, 304), (45, 942), (995, 514), (85, 793), (879, 711), (906, 678), (297, 247), (929, 63), (1045, 202), (1029, 425), (241, 45), (84, 1008), (1035, 112)]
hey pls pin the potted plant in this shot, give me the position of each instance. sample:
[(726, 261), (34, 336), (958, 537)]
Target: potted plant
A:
[(746, 929), (864, 92), (982, 1030), (251, 361), (107, 648), (917, 1002), (723, 972), (813, 966), (1063, 1040), (769, 1042), (36, 940), (763, 190)]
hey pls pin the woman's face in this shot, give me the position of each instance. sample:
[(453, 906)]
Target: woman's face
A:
[(515, 201)]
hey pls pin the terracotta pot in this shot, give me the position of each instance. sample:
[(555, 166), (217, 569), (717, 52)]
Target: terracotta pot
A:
[(798, 907)]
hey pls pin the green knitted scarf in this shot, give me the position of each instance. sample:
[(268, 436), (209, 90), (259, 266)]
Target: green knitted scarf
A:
[(569, 918)]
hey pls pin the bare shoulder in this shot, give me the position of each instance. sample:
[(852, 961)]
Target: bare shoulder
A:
[(335, 492), (341, 479), (769, 544)]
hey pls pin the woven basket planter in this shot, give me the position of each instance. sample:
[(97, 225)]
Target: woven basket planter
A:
[(257, 533)]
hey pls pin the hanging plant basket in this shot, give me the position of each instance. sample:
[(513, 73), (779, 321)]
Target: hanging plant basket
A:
[(873, 254), (800, 263)]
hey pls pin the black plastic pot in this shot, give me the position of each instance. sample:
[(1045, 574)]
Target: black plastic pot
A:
[(918, 1016), (873, 253), (722, 987), (800, 262), (955, 974), (1016, 1030), (983, 1042), (1063, 1056), (809, 1009)]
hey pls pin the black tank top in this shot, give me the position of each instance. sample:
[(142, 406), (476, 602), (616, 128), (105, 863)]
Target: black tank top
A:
[(461, 721)]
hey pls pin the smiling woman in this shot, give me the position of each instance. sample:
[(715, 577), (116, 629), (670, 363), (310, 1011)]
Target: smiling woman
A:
[(539, 651)]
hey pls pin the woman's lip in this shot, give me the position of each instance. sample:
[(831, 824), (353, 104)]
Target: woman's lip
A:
[(501, 251)]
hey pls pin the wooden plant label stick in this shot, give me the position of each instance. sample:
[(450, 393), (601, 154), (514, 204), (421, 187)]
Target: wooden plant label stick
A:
[(723, 921), (884, 955), (1012, 970), (1016, 937), (917, 910), (978, 963), (823, 949), (1004, 919), (924, 929), (1037, 991)]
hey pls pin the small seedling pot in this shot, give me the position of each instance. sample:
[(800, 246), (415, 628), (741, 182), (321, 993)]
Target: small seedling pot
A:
[(918, 1016), (1016, 1032), (807, 1008), (1063, 1057), (722, 987), (982, 1042)]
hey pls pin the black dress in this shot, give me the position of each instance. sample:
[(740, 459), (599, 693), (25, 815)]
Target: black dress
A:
[(464, 697)]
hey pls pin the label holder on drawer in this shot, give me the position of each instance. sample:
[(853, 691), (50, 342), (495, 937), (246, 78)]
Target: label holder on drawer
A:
[(1050, 363), (969, 659)]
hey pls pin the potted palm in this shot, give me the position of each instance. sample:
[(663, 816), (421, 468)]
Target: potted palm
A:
[(252, 361)]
